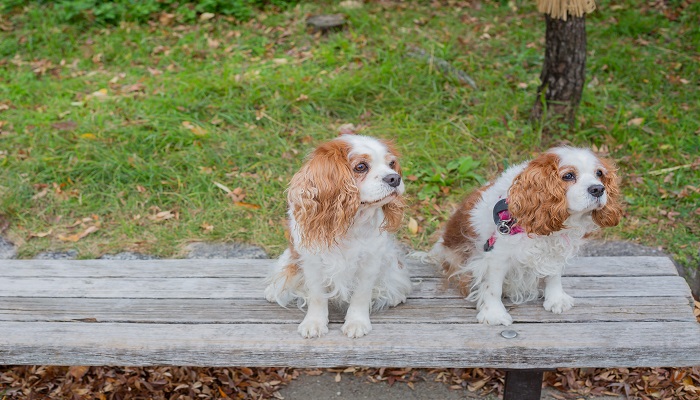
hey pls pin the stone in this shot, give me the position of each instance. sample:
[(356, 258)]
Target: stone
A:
[(224, 250), (57, 255), (326, 23), (7, 249), (128, 255)]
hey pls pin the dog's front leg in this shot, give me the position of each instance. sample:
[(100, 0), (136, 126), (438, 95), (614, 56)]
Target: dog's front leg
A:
[(357, 323), (489, 302), (555, 299), (315, 323)]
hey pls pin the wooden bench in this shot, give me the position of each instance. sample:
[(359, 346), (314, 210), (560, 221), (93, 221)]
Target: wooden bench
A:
[(630, 312)]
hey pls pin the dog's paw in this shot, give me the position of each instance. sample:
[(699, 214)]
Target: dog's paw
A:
[(558, 304), (355, 328), (494, 316), (310, 328), (271, 293)]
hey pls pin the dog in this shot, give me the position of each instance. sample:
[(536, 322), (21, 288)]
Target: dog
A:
[(344, 205), (525, 226)]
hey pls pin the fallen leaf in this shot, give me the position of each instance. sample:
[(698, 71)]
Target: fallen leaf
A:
[(136, 87), (222, 187), (413, 226), (207, 228), (213, 43), (98, 95), (206, 16), (347, 129), (90, 136), (166, 19), (65, 125), (246, 205), (77, 236), (635, 121), (78, 372), (236, 195), (197, 130), (163, 216), (302, 97), (41, 194), (40, 234)]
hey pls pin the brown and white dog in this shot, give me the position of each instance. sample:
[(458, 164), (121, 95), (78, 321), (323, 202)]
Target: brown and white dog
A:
[(526, 226), (344, 204)]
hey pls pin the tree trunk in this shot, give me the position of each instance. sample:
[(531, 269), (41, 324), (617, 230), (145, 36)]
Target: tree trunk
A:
[(563, 72)]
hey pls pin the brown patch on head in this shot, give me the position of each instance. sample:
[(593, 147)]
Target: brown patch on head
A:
[(356, 160), (460, 238), (323, 195), (537, 198), (392, 155), (611, 214)]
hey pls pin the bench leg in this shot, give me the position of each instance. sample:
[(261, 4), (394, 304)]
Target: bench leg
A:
[(523, 384)]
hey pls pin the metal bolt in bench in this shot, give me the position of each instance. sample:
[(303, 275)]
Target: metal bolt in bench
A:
[(629, 312)]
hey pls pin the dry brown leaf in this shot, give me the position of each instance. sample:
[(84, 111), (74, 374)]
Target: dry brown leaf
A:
[(65, 125), (78, 372), (413, 226), (206, 16), (41, 194), (247, 205), (197, 130), (40, 234), (635, 122), (77, 236), (163, 216), (166, 19), (207, 228), (347, 129)]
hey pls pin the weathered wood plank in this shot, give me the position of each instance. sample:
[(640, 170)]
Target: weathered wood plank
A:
[(388, 345), (219, 288), (415, 311), (221, 268)]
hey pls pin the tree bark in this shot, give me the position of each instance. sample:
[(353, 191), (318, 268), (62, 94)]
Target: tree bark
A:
[(563, 72)]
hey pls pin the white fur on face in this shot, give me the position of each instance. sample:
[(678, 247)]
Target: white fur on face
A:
[(584, 165), (374, 190)]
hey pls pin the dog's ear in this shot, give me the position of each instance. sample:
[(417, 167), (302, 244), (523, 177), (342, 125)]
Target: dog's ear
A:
[(323, 196), (393, 211), (611, 214), (393, 214), (537, 198)]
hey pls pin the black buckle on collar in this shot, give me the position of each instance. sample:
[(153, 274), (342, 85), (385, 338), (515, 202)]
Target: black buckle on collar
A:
[(502, 205)]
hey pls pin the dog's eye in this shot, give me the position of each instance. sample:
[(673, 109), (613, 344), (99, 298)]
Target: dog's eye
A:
[(599, 173), (361, 167), (392, 164), (569, 176)]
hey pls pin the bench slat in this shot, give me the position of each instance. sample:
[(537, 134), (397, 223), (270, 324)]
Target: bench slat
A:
[(220, 268), (389, 345), (661, 286), (227, 311)]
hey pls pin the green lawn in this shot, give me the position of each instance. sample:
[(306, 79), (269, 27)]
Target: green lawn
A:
[(114, 137)]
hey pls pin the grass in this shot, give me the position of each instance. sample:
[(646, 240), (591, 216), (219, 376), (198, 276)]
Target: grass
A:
[(126, 128)]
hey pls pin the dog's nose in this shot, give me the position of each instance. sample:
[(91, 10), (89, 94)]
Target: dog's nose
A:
[(596, 190), (393, 180)]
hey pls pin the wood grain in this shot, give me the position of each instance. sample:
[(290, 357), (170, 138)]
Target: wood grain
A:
[(630, 311), (222, 268), (388, 345)]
